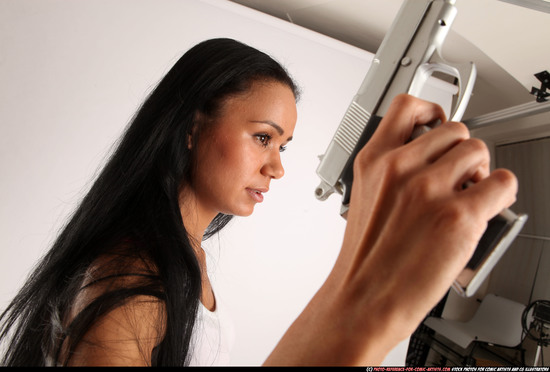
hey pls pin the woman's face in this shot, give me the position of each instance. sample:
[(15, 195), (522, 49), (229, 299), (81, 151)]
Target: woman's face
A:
[(239, 153)]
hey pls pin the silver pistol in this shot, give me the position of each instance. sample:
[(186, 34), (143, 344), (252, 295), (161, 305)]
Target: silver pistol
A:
[(408, 56)]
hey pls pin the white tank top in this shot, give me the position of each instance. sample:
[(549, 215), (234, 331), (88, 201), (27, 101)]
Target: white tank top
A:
[(212, 337)]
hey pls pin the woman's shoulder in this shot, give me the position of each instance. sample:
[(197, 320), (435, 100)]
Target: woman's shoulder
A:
[(133, 323), (119, 267), (126, 335), (117, 272)]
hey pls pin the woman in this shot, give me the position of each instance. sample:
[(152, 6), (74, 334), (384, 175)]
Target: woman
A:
[(127, 239), (126, 280)]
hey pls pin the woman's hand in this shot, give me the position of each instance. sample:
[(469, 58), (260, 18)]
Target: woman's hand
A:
[(411, 229)]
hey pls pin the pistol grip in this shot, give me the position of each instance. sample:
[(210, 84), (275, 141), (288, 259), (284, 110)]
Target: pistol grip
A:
[(347, 174), (500, 233)]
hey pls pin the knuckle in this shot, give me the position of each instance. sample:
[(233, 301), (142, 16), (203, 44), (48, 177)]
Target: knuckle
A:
[(481, 150), (460, 129), (362, 167), (423, 188), (452, 213), (394, 162), (396, 165), (363, 159), (479, 144), (390, 166), (507, 179), (404, 99)]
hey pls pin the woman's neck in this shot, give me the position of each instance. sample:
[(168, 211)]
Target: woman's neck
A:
[(195, 216), (196, 220)]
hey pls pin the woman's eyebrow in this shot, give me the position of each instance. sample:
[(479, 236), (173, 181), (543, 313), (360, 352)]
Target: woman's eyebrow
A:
[(274, 125)]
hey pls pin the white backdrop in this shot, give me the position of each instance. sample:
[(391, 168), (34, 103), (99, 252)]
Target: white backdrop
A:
[(72, 73)]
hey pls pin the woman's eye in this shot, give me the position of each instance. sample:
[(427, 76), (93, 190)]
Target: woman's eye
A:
[(264, 139)]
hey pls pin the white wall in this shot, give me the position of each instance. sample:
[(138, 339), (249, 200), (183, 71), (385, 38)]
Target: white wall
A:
[(72, 74)]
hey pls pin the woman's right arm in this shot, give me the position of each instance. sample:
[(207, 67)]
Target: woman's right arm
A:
[(411, 229)]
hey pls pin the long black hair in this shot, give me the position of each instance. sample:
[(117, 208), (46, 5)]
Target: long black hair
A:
[(132, 208)]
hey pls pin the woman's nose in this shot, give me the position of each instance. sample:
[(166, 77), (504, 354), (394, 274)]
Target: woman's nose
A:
[(273, 167)]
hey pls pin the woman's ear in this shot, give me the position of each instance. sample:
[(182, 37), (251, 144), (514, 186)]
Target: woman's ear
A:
[(201, 123), (198, 121)]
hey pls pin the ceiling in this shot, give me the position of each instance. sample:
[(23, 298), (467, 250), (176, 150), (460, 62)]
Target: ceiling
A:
[(507, 42)]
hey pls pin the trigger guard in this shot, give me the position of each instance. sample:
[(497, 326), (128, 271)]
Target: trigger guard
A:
[(465, 75)]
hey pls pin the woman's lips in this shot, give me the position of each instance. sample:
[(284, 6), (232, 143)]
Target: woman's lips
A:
[(256, 194)]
